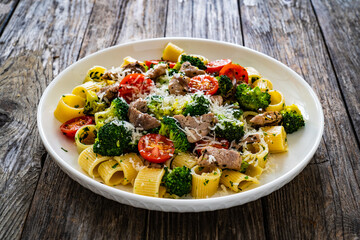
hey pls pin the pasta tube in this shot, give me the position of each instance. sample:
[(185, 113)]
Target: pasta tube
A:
[(236, 181), (130, 164), (148, 181), (90, 161), (277, 101), (184, 159), (275, 137), (204, 184), (253, 74), (70, 106), (263, 84), (172, 52), (85, 137), (111, 172)]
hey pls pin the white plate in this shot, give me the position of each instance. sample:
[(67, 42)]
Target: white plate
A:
[(302, 144)]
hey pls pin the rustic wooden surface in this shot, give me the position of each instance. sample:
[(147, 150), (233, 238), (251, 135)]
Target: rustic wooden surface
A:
[(318, 39)]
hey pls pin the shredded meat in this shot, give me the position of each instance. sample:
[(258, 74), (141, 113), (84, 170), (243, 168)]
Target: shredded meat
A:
[(190, 70), (179, 85), (217, 98), (157, 71), (222, 158), (140, 105), (109, 93), (198, 126), (271, 118), (139, 118), (134, 67), (110, 75)]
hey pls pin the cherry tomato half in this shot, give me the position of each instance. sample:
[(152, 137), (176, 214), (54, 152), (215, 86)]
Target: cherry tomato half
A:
[(156, 148), (204, 83), (223, 143), (134, 84), (155, 62), (217, 65), (235, 71), (70, 127)]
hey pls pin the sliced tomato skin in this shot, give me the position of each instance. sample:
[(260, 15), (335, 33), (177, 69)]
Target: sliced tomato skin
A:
[(215, 66), (204, 83), (235, 71), (156, 148), (225, 144), (150, 63), (70, 127), (134, 84)]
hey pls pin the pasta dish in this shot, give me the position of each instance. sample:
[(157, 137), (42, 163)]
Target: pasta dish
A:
[(178, 127)]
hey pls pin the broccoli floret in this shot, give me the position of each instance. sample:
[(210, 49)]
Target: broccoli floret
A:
[(93, 104), (195, 61), (237, 113), (163, 79), (113, 138), (229, 129), (178, 181), (118, 110), (199, 105), (292, 119), (172, 71), (171, 129), (154, 104), (153, 130), (252, 99), (243, 167), (225, 86)]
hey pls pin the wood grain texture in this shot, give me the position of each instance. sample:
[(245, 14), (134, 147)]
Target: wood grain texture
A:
[(63, 209), (339, 21), (7, 8), (28, 44), (218, 20), (81, 213), (290, 33)]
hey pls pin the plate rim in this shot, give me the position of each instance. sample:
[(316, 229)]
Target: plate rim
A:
[(183, 205)]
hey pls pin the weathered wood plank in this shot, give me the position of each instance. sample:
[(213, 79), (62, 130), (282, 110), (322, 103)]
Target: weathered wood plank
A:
[(58, 199), (339, 22), (63, 209), (217, 20), (7, 7), (29, 43), (322, 202)]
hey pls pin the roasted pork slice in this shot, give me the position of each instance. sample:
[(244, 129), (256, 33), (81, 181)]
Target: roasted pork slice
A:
[(109, 93), (135, 67), (219, 157), (139, 118), (179, 85), (190, 70), (157, 71), (271, 118), (196, 127), (140, 105)]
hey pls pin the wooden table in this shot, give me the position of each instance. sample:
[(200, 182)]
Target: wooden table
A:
[(318, 39)]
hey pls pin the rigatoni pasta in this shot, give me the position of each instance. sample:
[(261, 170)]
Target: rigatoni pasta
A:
[(205, 182), (111, 172), (90, 161), (148, 182), (131, 165)]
